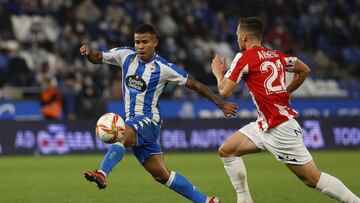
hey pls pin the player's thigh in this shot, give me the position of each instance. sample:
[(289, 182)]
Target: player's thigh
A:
[(129, 139), (155, 165), (238, 144), (308, 173)]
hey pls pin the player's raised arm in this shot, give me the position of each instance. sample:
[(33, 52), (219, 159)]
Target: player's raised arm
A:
[(225, 86), (229, 109), (91, 54), (301, 71)]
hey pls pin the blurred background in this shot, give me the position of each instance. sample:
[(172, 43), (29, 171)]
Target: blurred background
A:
[(45, 81)]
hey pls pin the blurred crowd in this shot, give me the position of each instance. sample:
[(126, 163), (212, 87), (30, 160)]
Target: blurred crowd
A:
[(40, 41)]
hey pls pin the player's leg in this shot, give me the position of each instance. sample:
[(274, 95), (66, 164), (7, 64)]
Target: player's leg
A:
[(155, 165), (230, 152), (148, 152), (286, 143), (116, 151), (113, 156), (238, 144), (330, 185)]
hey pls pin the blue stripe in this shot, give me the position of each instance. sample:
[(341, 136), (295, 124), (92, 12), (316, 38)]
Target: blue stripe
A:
[(125, 69), (149, 95), (172, 66), (139, 71)]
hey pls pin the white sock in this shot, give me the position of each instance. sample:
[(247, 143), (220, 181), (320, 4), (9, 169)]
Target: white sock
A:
[(101, 171), (235, 168), (171, 179), (334, 188)]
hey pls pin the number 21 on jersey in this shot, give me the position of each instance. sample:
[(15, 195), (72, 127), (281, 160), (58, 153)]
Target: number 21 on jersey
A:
[(277, 74)]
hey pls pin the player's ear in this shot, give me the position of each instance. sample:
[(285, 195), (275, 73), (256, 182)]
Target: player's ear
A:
[(243, 37), (156, 42)]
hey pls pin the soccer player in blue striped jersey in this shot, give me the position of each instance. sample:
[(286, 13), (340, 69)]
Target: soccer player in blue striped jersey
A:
[(144, 76)]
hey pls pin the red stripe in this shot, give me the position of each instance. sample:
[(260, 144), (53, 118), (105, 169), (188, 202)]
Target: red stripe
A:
[(115, 119)]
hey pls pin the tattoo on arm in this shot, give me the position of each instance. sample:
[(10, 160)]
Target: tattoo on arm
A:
[(203, 91)]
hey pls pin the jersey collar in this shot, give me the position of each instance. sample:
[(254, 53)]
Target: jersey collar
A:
[(149, 61)]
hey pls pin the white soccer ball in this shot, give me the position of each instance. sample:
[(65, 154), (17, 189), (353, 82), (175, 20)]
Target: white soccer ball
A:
[(110, 128)]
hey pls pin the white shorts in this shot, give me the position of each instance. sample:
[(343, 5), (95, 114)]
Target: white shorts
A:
[(285, 141)]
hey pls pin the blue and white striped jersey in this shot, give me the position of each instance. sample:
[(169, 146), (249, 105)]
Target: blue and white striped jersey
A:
[(143, 82)]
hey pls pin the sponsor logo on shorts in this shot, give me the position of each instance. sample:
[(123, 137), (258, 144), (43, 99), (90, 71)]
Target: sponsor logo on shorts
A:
[(287, 158)]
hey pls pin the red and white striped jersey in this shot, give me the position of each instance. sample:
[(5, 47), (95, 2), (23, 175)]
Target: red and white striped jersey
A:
[(263, 71)]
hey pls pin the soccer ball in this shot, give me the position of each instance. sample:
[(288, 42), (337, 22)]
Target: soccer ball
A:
[(110, 128)]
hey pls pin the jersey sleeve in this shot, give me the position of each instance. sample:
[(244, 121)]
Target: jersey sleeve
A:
[(238, 68), (116, 56), (176, 74), (289, 62)]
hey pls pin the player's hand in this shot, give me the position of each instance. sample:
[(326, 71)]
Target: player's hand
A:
[(91, 54), (229, 109), (86, 50), (218, 66)]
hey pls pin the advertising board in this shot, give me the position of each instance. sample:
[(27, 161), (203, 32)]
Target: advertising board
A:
[(43, 138)]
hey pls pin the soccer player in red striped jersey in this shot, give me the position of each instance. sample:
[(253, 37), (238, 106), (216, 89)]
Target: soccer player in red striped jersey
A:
[(276, 130)]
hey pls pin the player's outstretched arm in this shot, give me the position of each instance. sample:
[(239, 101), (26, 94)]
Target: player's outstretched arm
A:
[(91, 54), (229, 109), (301, 71)]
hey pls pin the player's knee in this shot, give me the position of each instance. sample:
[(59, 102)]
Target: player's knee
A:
[(224, 152), (221, 152)]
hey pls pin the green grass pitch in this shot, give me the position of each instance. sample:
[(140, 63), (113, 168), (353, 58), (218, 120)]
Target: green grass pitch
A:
[(59, 179)]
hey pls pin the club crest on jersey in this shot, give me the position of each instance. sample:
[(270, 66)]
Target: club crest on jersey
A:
[(152, 68), (135, 84)]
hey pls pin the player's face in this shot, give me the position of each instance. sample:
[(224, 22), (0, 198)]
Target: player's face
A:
[(241, 38), (145, 44)]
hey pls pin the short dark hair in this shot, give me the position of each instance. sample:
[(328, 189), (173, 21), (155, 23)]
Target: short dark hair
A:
[(145, 28), (254, 25)]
